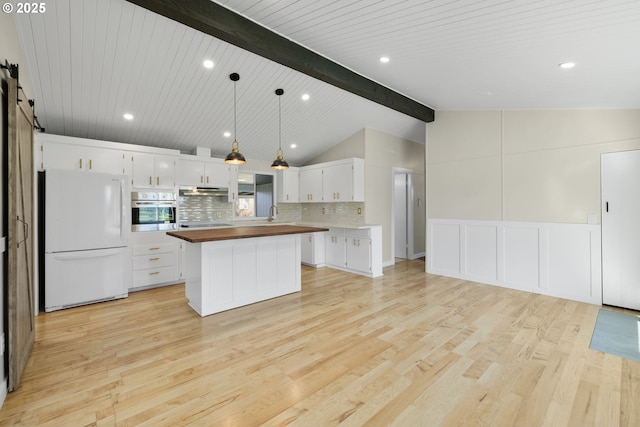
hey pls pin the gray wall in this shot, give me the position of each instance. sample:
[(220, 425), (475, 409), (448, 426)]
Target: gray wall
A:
[(383, 152), (523, 165)]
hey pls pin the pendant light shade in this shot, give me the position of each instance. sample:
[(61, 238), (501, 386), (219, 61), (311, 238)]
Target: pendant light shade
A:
[(279, 163), (235, 157)]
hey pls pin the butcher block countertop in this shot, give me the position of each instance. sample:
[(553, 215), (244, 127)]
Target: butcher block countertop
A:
[(223, 233)]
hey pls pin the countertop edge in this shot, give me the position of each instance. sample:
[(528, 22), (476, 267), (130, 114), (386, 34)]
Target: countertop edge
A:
[(234, 233)]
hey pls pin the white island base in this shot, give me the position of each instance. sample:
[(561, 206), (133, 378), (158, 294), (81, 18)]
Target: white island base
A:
[(225, 274)]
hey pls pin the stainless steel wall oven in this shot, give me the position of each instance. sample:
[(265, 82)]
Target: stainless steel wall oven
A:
[(153, 211)]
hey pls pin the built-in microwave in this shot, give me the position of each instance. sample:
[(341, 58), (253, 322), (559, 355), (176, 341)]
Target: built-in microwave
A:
[(153, 211)]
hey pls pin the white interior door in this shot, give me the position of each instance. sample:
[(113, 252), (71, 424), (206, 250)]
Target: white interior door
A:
[(400, 219), (621, 229)]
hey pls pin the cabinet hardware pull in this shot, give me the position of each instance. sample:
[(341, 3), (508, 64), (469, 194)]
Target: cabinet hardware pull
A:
[(154, 272), (154, 249), (90, 164), (80, 163), (157, 180), (607, 209), (154, 259), (201, 179), (207, 180), (150, 180)]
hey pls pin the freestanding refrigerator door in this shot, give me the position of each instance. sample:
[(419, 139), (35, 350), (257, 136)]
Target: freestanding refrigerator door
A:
[(85, 211), (77, 278)]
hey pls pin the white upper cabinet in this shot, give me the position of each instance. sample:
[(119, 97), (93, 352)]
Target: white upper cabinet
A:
[(339, 181), (203, 173), (233, 182), (153, 171), (216, 174), (287, 182), (190, 172), (310, 184), (208, 173), (56, 155)]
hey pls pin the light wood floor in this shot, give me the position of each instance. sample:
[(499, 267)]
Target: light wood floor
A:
[(407, 349)]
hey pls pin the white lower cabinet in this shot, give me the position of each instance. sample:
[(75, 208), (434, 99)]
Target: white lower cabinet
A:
[(335, 255), (357, 250), (358, 254), (155, 260), (313, 251)]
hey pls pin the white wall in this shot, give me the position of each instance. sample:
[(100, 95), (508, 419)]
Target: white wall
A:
[(10, 51)]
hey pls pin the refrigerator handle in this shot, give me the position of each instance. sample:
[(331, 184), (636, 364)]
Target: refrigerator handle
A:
[(122, 208)]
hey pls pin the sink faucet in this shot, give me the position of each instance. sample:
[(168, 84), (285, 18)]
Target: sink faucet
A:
[(273, 211)]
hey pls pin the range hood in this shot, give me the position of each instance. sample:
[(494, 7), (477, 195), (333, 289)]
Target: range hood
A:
[(204, 191)]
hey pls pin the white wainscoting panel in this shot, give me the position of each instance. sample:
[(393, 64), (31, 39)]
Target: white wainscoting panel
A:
[(521, 256), (561, 260), (480, 257), (446, 237)]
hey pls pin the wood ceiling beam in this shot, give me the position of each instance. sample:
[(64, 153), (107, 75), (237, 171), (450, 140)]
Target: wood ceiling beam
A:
[(221, 23)]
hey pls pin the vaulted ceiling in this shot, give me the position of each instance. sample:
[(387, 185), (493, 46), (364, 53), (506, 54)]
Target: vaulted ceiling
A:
[(91, 61)]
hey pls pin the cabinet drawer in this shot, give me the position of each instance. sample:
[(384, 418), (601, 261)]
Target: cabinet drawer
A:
[(153, 249), (336, 231), (153, 260), (154, 275), (358, 232)]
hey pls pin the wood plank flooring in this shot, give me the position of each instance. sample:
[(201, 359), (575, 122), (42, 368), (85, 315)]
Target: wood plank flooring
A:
[(405, 349)]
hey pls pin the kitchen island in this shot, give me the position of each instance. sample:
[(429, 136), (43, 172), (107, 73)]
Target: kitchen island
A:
[(227, 268)]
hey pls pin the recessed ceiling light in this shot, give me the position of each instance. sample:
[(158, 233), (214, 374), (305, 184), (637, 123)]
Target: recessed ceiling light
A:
[(293, 146), (567, 65), (305, 97), (208, 63), (384, 59), (128, 116), (227, 134)]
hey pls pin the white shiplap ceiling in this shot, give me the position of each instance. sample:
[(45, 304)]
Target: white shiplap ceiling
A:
[(91, 61)]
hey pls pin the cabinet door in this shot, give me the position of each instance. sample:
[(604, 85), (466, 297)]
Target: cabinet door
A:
[(63, 156), (165, 171), (335, 250), (142, 170), (216, 174), (233, 182), (359, 254), (311, 185), (288, 188), (190, 172), (306, 248), (104, 160), (337, 183)]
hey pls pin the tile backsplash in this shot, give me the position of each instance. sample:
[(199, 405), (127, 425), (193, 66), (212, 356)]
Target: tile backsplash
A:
[(204, 209), (209, 208), (343, 212)]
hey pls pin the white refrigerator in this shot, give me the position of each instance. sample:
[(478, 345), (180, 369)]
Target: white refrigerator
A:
[(86, 231)]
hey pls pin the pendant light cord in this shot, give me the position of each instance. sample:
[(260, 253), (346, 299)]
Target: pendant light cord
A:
[(279, 126), (235, 119)]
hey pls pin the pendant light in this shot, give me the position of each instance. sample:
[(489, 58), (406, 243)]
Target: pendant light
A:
[(279, 163), (234, 157)]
